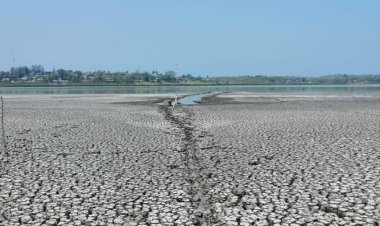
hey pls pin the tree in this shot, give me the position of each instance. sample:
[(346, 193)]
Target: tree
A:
[(169, 76), (18, 72), (62, 74), (119, 78), (37, 70), (146, 77)]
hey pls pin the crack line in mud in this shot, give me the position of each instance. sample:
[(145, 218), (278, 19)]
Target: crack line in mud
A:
[(193, 168)]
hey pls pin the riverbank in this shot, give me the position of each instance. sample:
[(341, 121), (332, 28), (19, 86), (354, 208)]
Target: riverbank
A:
[(242, 159), (307, 90)]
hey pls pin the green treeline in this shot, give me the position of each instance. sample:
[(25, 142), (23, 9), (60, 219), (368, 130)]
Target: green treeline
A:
[(338, 79), (36, 75)]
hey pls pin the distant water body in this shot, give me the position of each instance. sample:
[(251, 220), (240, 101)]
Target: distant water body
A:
[(259, 89)]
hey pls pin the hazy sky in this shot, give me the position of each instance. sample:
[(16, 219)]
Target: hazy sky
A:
[(204, 37)]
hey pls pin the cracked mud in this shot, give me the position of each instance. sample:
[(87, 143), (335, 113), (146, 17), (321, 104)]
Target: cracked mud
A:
[(86, 161)]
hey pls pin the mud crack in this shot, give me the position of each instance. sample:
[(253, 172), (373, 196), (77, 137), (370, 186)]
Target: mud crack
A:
[(181, 119)]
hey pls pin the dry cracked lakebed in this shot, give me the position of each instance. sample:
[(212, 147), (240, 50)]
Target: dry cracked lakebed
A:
[(88, 161)]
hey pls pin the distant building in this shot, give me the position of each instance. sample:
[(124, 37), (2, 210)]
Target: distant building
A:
[(63, 81), (108, 78)]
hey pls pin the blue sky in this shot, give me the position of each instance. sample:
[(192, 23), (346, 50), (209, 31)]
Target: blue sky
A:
[(201, 37)]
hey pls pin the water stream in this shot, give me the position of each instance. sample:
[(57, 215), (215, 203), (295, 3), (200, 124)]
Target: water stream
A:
[(195, 98)]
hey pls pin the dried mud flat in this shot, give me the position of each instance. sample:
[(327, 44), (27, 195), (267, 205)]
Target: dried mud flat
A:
[(97, 160)]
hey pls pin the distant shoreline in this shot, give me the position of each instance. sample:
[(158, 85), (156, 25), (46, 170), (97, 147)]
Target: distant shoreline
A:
[(167, 85)]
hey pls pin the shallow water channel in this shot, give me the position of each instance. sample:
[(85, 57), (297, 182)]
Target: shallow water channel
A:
[(195, 98)]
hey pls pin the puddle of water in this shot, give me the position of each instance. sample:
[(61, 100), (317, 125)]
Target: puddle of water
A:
[(193, 99)]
